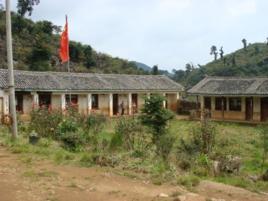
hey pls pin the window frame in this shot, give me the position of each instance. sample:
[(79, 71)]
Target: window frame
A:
[(238, 104), (219, 100), (95, 101)]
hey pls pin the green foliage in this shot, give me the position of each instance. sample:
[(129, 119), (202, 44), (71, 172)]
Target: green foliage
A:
[(36, 47), (155, 116), (130, 131), (45, 122), (200, 141), (95, 123), (188, 181), (26, 6), (252, 62), (264, 143)]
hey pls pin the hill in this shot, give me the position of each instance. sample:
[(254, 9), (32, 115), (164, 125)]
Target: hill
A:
[(36, 45), (252, 61), (143, 66)]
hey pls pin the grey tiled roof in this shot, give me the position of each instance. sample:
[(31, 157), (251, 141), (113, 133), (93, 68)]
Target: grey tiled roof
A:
[(50, 81), (231, 86)]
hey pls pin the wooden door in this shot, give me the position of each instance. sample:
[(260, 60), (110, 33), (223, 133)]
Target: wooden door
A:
[(115, 104), (264, 109), (249, 109)]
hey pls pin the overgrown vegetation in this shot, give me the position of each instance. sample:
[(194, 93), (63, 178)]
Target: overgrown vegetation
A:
[(187, 156)]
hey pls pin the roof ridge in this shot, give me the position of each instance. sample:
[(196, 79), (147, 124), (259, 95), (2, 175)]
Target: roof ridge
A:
[(80, 73)]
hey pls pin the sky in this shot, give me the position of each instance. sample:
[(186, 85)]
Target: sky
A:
[(167, 33)]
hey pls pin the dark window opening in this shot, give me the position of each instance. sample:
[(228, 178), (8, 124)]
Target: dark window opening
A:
[(73, 100), (95, 101), (207, 103), (235, 104), (45, 100), (220, 103), (19, 102)]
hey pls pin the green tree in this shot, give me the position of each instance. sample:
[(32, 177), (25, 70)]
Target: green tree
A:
[(156, 117), (89, 59), (155, 70), (26, 6), (244, 41), (213, 51)]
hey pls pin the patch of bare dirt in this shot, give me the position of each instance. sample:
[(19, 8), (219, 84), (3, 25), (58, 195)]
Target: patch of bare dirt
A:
[(44, 181)]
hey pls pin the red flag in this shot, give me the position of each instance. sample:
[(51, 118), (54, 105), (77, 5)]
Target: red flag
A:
[(64, 44)]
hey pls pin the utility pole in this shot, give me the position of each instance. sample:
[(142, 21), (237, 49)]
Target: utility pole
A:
[(11, 86)]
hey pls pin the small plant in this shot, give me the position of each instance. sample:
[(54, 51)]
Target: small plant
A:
[(188, 181)]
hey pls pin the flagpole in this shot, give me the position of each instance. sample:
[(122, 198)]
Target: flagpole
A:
[(11, 86), (68, 64)]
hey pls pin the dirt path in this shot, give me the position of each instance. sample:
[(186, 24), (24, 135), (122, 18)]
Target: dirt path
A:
[(42, 180)]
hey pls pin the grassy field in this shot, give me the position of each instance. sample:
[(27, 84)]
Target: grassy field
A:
[(231, 139)]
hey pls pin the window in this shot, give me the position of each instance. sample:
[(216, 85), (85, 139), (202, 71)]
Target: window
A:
[(207, 103), (95, 101), (218, 103), (235, 104), (19, 102), (74, 99)]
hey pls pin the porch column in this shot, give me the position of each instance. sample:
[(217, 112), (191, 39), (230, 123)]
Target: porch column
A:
[(213, 103), (89, 103), (227, 104), (63, 102), (202, 107), (130, 104), (110, 104), (178, 96), (35, 100), (6, 104), (164, 102)]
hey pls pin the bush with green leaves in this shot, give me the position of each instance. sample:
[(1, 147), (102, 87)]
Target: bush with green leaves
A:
[(130, 131), (264, 143), (156, 117), (45, 122), (70, 134), (95, 123), (200, 141)]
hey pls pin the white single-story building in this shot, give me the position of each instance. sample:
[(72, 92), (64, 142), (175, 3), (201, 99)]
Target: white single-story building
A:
[(233, 98), (103, 93)]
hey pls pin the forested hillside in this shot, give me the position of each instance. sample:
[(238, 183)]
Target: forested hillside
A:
[(36, 45), (251, 60)]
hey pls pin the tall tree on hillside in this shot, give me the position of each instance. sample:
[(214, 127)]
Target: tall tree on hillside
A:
[(221, 52), (213, 51), (26, 6), (155, 70), (88, 54), (244, 41)]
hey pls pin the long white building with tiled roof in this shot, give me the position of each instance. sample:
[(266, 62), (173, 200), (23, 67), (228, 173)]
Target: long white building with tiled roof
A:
[(101, 93)]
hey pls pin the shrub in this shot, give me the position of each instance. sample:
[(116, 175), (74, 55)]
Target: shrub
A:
[(45, 122), (188, 181), (95, 123), (156, 117), (200, 141), (165, 145), (70, 134)]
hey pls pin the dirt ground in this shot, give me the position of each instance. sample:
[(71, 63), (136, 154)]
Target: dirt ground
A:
[(43, 180)]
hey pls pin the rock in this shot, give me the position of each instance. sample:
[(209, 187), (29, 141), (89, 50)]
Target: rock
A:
[(163, 195), (181, 198), (214, 199), (230, 164), (253, 178), (216, 168)]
